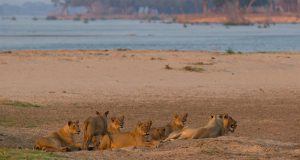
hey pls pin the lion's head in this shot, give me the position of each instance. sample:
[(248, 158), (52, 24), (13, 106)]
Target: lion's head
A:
[(143, 128), (73, 127), (229, 124), (159, 132), (179, 120), (117, 122)]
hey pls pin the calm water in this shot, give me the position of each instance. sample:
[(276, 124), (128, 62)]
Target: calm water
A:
[(24, 33)]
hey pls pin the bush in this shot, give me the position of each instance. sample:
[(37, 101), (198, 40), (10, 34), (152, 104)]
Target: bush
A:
[(193, 69)]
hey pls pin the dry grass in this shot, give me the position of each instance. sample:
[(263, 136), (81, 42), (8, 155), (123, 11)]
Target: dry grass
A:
[(157, 58), (193, 69), (18, 104), (201, 63), (168, 67), (14, 154)]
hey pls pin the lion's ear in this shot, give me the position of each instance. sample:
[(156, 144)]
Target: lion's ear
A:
[(176, 115), (106, 113), (98, 113), (69, 123), (226, 116), (211, 116), (139, 123), (150, 123), (184, 117), (122, 118)]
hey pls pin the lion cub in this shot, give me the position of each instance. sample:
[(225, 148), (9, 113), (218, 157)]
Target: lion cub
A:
[(177, 123), (62, 140), (218, 125), (116, 124), (93, 127), (135, 138), (157, 134), (114, 127)]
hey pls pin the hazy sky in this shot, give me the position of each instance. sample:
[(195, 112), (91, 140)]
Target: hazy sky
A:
[(22, 1)]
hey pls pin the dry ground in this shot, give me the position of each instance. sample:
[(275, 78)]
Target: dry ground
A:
[(260, 90), (252, 18)]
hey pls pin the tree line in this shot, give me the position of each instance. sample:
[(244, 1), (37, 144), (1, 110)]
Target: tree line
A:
[(181, 6)]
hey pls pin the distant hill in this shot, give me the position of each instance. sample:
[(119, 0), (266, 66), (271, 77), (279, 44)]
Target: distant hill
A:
[(28, 8)]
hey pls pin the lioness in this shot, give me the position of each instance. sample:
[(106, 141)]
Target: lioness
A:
[(94, 127), (62, 140), (218, 125), (115, 125), (158, 133), (229, 124), (135, 138), (177, 123)]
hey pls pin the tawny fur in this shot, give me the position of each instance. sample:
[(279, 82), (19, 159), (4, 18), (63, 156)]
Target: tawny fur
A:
[(218, 125), (177, 123), (158, 133), (94, 127), (135, 138), (60, 141), (115, 125)]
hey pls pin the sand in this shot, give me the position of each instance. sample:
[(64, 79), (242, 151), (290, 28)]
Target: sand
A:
[(248, 18), (260, 90)]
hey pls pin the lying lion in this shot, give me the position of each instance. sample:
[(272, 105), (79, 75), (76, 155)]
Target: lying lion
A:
[(135, 138), (177, 123), (94, 127), (158, 133), (218, 125), (115, 125), (60, 141)]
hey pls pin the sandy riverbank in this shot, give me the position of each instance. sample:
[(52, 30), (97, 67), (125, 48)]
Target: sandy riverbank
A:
[(248, 18), (260, 90)]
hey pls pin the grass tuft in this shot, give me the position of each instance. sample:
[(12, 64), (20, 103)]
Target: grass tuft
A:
[(201, 63), (231, 51), (193, 69), (168, 67), (19, 104), (15, 154)]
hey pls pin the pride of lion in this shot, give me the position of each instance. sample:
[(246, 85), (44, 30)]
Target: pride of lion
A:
[(105, 134)]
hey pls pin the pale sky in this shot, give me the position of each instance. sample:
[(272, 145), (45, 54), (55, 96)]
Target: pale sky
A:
[(22, 1)]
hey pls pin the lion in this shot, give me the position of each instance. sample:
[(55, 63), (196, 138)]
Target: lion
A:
[(177, 123), (60, 141), (114, 127), (230, 124), (135, 138), (116, 124), (94, 127), (158, 133), (218, 125)]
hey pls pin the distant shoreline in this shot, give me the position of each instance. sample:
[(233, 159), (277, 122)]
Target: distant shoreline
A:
[(123, 50), (253, 18)]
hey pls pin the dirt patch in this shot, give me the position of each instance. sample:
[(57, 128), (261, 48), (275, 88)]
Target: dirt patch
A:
[(260, 91), (217, 148)]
